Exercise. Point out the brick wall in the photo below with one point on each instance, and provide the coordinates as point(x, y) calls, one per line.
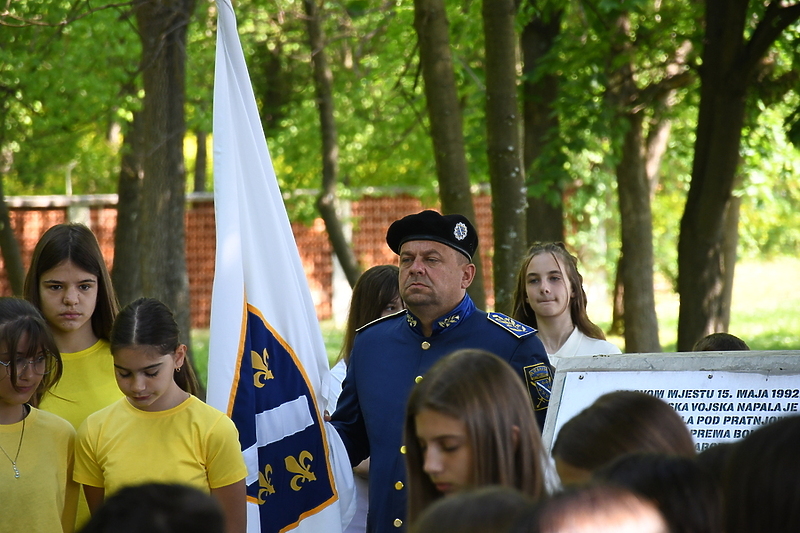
point(371, 217)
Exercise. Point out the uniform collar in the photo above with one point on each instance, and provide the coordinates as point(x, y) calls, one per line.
point(446, 321)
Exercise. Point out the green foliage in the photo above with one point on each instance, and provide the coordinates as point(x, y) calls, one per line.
point(63, 97)
point(200, 51)
point(770, 191)
point(582, 157)
point(69, 77)
point(770, 165)
point(200, 339)
point(378, 101)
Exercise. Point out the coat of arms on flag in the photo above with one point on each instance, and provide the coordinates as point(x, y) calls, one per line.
point(286, 438)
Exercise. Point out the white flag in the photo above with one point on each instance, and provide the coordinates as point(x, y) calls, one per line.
point(267, 359)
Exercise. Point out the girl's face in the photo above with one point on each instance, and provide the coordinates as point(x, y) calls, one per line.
point(547, 289)
point(68, 296)
point(446, 450)
point(392, 307)
point(28, 379)
point(145, 376)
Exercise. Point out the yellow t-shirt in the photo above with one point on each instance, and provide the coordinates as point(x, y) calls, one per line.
point(192, 443)
point(43, 498)
point(87, 384)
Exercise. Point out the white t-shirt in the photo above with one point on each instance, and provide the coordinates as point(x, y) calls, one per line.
point(579, 344)
point(359, 522)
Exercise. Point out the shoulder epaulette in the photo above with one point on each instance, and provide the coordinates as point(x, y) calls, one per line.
point(368, 324)
point(518, 329)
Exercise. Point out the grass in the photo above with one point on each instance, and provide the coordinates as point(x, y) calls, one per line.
point(200, 354)
point(765, 312)
point(766, 304)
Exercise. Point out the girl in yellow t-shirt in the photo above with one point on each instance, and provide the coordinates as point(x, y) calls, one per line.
point(69, 282)
point(36, 485)
point(160, 432)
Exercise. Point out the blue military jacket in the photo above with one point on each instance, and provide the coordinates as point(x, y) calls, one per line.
point(388, 357)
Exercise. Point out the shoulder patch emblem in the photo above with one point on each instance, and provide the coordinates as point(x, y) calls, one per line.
point(540, 383)
point(368, 324)
point(518, 329)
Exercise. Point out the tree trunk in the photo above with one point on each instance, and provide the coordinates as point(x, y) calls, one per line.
point(655, 148)
point(545, 216)
point(326, 201)
point(641, 324)
point(201, 161)
point(504, 147)
point(636, 223)
point(618, 301)
point(12, 258)
point(162, 29)
point(730, 241)
point(716, 156)
point(728, 65)
point(126, 274)
point(430, 22)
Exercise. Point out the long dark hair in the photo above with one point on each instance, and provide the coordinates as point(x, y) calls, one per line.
point(373, 291)
point(148, 322)
point(759, 483)
point(76, 243)
point(20, 319)
point(522, 310)
point(689, 499)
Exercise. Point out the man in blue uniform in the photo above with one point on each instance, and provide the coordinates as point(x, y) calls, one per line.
point(391, 354)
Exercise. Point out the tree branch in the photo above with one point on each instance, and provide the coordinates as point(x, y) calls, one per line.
point(654, 91)
point(775, 20)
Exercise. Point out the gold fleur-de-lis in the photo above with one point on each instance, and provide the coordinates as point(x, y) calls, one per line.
point(302, 468)
point(265, 482)
point(261, 368)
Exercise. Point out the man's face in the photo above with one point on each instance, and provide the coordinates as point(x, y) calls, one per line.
point(433, 277)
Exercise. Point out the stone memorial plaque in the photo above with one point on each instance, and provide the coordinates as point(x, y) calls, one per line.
point(722, 396)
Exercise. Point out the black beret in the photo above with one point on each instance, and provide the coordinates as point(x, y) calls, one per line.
point(455, 231)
